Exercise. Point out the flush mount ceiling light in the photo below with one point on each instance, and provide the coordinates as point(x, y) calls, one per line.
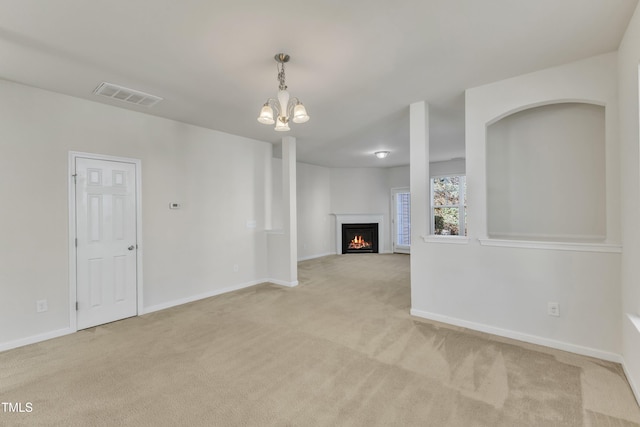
point(381, 154)
point(285, 107)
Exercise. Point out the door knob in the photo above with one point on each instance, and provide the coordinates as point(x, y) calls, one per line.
point(131, 247)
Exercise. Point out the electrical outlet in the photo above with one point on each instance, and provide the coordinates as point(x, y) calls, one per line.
point(553, 309)
point(236, 268)
point(41, 306)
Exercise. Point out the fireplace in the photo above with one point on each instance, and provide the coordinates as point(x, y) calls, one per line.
point(351, 219)
point(359, 238)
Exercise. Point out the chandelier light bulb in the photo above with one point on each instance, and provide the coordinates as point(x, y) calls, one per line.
point(300, 113)
point(266, 115)
point(282, 125)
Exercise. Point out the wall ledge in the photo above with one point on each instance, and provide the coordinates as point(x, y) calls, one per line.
point(556, 246)
point(457, 240)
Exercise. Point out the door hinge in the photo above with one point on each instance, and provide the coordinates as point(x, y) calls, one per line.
point(76, 305)
point(75, 175)
point(76, 242)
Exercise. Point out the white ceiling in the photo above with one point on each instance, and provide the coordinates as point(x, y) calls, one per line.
point(356, 64)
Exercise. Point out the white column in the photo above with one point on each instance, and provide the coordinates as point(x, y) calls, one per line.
point(419, 170)
point(289, 200)
point(420, 195)
point(268, 190)
point(282, 246)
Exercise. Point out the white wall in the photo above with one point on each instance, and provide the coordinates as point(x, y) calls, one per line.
point(546, 174)
point(314, 207)
point(359, 190)
point(449, 167)
point(218, 178)
point(398, 177)
point(505, 290)
point(628, 60)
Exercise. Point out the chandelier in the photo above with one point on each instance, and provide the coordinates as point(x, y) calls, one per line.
point(286, 108)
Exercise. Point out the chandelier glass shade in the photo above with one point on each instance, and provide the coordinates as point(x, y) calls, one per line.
point(285, 107)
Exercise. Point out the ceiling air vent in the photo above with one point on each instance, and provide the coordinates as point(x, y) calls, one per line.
point(127, 95)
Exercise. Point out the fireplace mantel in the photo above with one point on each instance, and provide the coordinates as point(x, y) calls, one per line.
point(356, 219)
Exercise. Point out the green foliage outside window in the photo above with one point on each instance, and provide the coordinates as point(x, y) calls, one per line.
point(446, 205)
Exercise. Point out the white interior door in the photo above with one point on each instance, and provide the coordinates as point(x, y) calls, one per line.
point(401, 220)
point(106, 288)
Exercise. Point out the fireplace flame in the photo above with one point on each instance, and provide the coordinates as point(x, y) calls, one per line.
point(359, 243)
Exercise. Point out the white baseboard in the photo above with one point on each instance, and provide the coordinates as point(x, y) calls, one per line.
point(632, 384)
point(631, 379)
point(533, 339)
point(215, 292)
point(282, 282)
point(193, 298)
point(333, 253)
point(380, 252)
point(66, 331)
point(35, 339)
point(306, 258)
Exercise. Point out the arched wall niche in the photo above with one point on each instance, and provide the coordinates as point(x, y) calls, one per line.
point(542, 104)
point(546, 173)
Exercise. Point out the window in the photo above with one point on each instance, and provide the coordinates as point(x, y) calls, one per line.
point(449, 205)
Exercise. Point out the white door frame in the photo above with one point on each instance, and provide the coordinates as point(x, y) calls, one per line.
point(393, 216)
point(73, 285)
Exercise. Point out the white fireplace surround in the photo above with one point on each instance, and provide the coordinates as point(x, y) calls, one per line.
point(359, 219)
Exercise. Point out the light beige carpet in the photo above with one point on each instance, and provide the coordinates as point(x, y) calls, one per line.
point(338, 350)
